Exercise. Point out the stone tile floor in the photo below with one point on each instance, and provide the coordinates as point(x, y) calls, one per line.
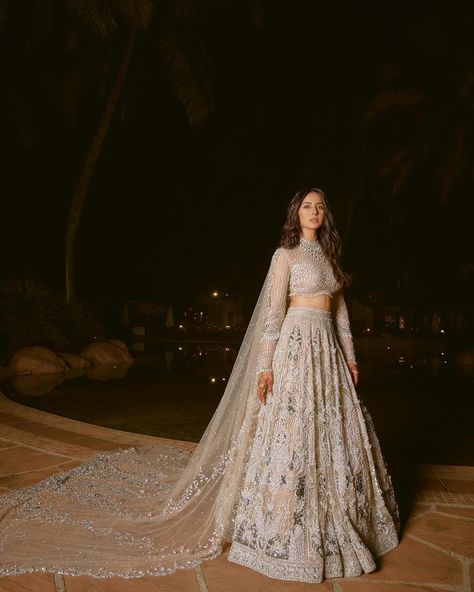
point(436, 551)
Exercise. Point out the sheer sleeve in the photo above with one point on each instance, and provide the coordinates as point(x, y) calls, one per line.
point(275, 309)
point(342, 324)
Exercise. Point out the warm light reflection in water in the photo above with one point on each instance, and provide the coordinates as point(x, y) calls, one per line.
point(174, 390)
point(210, 362)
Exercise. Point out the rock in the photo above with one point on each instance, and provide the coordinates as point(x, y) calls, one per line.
point(37, 360)
point(5, 372)
point(110, 351)
point(35, 385)
point(106, 372)
point(76, 372)
point(75, 361)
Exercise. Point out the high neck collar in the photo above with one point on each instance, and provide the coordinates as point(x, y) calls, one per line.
point(312, 246)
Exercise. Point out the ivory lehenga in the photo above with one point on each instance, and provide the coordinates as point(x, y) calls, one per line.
point(298, 486)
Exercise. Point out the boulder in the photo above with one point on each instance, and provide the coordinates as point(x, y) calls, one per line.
point(37, 360)
point(109, 351)
point(35, 385)
point(74, 361)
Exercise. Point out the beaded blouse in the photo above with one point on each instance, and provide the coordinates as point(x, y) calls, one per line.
point(303, 270)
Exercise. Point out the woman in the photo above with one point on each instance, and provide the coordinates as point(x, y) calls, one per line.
point(289, 469)
point(317, 500)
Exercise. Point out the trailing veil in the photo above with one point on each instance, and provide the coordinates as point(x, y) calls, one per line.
point(143, 510)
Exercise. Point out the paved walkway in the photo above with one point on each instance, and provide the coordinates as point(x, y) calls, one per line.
point(436, 551)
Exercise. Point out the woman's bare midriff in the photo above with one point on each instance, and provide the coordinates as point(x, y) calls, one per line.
point(322, 301)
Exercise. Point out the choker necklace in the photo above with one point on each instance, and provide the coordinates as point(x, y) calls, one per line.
point(310, 246)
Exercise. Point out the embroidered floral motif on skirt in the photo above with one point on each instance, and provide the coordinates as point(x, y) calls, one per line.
point(317, 500)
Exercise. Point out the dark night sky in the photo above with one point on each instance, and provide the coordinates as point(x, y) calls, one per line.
point(174, 210)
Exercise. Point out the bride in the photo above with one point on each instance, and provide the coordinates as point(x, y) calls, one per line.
point(289, 470)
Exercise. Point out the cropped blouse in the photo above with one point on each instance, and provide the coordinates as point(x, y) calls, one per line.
point(303, 270)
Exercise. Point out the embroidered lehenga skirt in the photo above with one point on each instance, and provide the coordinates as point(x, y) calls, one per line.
point(317, 500)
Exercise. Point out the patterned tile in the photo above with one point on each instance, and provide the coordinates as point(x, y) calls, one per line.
point(443, 497)
point(28, 583)
point(416, 565)
point(378, 587)
point(24, 479)
point(416, 562)
point(447, 472)
point(23, 458)
point(458, 485)
point(455, 535)
point(23, 437)
point(417, 509)
point(184, 580)
point(456, 510)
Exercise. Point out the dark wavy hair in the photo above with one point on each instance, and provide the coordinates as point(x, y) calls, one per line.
point(328, 235)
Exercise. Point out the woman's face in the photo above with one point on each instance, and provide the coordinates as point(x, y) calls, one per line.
point(311, 212)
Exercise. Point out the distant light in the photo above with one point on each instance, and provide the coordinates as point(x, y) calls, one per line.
point(223, 379)
point(368, 329)
point(227, 326)
point(401, 359)
point(227, 349)
point(180, 347)
point(411, 365)
point(180, 326)
point(215, 294)
point(442, 331)
point(388, 347)
point(442, 353)
point(213, 379)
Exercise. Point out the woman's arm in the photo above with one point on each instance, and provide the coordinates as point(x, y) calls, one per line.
point(275, 309)
point(343, 329)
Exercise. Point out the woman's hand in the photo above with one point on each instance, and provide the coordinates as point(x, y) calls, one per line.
point(354, 372)
point(264, 385)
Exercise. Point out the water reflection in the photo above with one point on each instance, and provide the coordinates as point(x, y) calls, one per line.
point(35, 385)
point(213, 364)
point(172, 391)
point(106, 372)
point(209, 362)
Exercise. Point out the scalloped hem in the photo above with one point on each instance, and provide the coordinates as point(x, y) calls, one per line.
point(103, 574)
point(282, 570)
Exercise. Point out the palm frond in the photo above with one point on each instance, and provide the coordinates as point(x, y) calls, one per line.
point(96, 14)
point(391, 100)
point(397, 168)
point(137, 13)
point(105, 16)
point(189, 66)
point(453, 163)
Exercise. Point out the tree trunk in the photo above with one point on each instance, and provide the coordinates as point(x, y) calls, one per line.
point(82, 187)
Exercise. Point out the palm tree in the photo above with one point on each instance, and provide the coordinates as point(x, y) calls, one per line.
point(404, 129)
point(95, 33)
point(422, 127)
point(183, 48)
point(191, 85)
